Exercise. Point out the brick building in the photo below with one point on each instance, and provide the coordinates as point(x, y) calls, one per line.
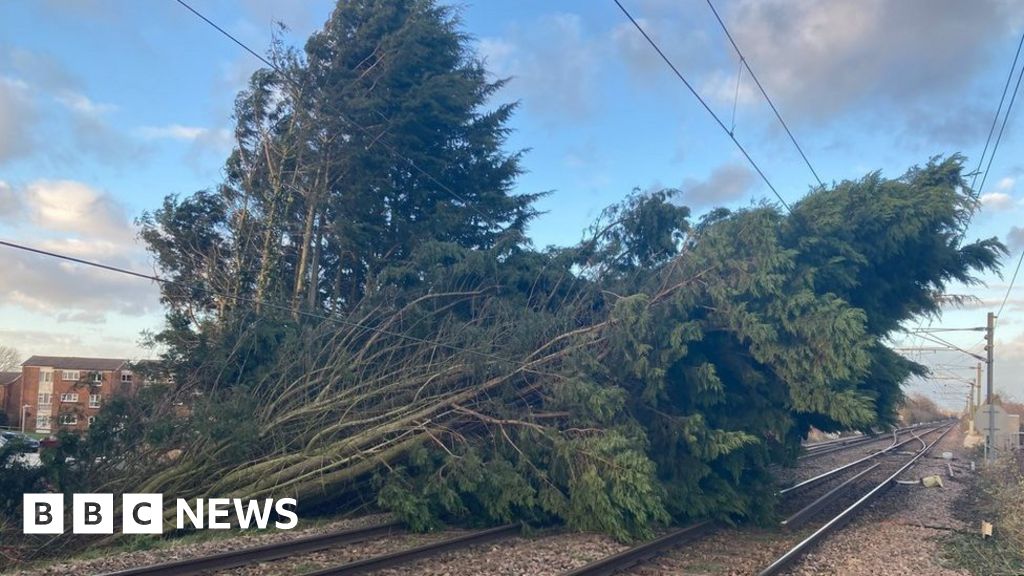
point(65, 393)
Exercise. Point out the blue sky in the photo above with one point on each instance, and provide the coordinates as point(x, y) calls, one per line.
point(106, 106)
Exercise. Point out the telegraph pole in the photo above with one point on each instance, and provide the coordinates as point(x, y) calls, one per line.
point(989, 345)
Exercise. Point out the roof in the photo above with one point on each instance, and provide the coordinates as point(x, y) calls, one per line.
point(8, 377)
point(76, 363)
point(148, 365)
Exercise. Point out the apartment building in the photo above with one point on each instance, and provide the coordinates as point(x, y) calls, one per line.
point(65, 393)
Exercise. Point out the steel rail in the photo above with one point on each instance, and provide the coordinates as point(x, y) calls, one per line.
point(828, 474)
point(846, 514)
point(637, 554)
point(814, 450)
point(838, 447)
point(819, 450)
point(252, 555)
point(809, 446)
point(417, 553)
point(799, 517)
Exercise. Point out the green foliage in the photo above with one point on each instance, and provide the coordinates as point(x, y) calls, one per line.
point(611, 385)
point(360, 335)
point(378, 137)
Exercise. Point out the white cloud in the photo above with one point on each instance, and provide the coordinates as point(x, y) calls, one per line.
point(1015, 238)
point(42, 284)
point(725, 185)
point(496, 52)
point(51, 342)
point(824, 60)
point(824, 57)
point(75, 208)
point(78, 126)
point(174, 132)
point(81, 104)
point(996, 200)
point(671, 25)
point(80, 221)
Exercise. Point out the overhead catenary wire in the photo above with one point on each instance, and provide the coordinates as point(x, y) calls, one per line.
point(995, 147)
point(746, 64)
point(1002, 127)
point(247, 300)
point(995, 119)
point(976, 192)
point(703, 103)
point(952, 347)
point(1012, 282)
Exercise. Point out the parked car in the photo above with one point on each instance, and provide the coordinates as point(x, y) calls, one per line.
point(22, 442)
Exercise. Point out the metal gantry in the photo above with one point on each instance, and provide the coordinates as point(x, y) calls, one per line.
point(942, 345)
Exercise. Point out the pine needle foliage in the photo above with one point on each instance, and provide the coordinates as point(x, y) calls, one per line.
point(652, 373)
point(614, 385)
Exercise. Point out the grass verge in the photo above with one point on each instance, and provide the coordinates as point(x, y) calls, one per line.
point(997, 496)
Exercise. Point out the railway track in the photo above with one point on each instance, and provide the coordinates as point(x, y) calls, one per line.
point(300, 546)
point(865, 487)
point(255, 554)
point(847, 487)
point(842, 491)
point(840, 444)
point(639, 554)
point(820, 483)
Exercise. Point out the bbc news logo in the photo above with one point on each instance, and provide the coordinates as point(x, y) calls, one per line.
point(144, 513)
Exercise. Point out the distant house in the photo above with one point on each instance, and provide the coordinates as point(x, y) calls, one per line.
point(65, 393)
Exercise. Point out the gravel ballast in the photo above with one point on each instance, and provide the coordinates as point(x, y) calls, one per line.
point(898, 534)
point(186, 548)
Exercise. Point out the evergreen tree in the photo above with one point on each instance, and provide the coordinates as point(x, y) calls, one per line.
point(378, 137)
point(654, 371)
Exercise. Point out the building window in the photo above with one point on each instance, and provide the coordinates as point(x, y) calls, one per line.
point(45, 376)
point(126, 377)
point(42, 422)
point(91, 419)
point(69, 375)
point(97, 377)
point(45, 398)
point(69, 397)
point(94, 400)
point(68, 419)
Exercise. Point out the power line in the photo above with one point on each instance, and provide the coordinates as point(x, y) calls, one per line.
point(743, 61)
point(999, 137)
point(1012, 281)
point(995, 119)
point(254, 301)
point(375, 139)
point(948, 344)
point(701, 100)
point(1002, 126)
